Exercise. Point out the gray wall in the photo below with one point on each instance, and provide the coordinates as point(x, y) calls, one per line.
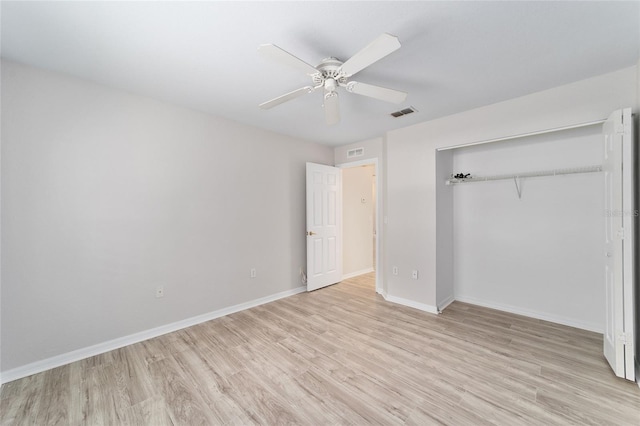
point(445, 257)
point(107, 195)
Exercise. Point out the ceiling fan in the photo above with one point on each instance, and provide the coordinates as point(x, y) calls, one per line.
point(331, 73)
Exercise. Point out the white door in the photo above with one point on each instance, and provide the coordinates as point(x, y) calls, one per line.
point(324, 226)
point(619, 231)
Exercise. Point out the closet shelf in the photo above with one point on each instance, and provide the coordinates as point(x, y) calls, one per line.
point(554, 172)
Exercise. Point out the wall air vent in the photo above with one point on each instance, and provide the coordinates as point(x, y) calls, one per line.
point(402, 112)
point(355, 152)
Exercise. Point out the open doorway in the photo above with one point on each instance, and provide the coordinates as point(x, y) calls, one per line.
point(360, 227)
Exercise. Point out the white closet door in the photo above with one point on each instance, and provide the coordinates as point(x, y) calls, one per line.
point(619, 232)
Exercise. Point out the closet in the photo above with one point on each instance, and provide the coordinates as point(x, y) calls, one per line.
point(531, 217)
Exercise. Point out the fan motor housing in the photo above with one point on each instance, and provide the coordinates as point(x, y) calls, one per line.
point(329, 68)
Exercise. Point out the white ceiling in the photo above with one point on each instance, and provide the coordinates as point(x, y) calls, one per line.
point(454, 56)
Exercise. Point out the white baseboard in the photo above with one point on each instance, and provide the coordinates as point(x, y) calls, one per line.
point(357, 273)
point(449, 300)
point(410, 303)
point(532, 314)
point(77, 355)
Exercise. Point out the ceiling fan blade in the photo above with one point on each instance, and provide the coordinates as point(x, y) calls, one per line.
point(331, 110)
point(377, 92)
point(373, 52)
point(286, 97)
point(272, 51)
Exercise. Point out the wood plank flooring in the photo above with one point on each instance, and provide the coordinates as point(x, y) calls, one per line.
point(340, 355)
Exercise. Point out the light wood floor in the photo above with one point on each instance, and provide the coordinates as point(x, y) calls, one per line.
point(340, 355)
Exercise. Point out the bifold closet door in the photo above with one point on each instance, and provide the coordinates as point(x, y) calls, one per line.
point(620, 216)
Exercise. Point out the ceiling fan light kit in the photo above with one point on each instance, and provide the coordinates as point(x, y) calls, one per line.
point(331, 73)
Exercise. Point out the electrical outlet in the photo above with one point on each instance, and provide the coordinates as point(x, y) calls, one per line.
point(253, 273)
point(414, 274)
point(395, 270)
point(159, 292)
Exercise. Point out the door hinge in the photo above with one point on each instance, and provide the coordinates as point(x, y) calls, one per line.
point(621, 233)
point(624, 338)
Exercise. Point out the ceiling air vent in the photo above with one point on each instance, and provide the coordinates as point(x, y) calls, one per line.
point(403, 112)
point(355, 152)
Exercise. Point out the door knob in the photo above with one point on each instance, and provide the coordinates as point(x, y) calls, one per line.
point(311, 233)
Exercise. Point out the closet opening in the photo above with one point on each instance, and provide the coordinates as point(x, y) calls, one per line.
point(527, 225)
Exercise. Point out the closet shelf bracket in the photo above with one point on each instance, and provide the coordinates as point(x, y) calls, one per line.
point(516, 180)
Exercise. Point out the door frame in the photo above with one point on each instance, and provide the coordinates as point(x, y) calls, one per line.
point(379, 218)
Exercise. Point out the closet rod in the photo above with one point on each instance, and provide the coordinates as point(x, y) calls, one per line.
point(554, 172)
point(524, 135)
